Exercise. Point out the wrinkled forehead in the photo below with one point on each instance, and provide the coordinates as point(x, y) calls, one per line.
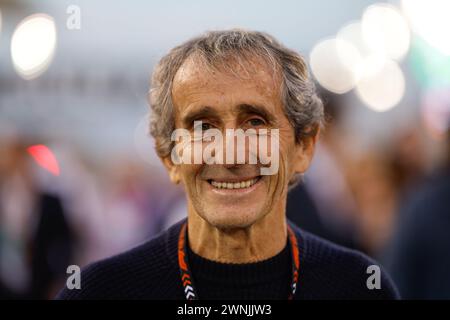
point(197, 74)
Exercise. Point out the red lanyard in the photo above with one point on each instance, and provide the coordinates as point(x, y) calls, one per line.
point(188, 281)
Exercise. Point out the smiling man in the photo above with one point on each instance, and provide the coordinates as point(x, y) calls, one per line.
point(236, 242)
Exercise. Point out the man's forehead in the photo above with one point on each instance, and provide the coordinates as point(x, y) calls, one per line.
point(195, 75)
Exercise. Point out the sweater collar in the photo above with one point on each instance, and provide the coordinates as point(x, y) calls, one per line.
point(272, 269)
point(172, 246)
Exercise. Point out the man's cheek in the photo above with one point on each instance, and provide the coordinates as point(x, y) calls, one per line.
point(189, 174)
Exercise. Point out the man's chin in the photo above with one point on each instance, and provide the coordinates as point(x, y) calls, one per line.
point(236, 219)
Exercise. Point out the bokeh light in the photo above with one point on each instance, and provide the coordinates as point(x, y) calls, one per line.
point(429, 19)
point(33, 45)
point(352, 33)
point(386, 31)
point(430, 66)
point(334, 63)
point(45, 158)
point(382, 83)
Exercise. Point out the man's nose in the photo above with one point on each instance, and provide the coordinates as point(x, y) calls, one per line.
point(235, 146)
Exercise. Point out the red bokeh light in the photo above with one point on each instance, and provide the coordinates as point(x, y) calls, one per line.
point(45, 158)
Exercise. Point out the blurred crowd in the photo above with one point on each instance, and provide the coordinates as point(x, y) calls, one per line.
point(87, 211)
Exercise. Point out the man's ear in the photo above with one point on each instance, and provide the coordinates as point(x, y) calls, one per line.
point(172, 169)
point(304, 151)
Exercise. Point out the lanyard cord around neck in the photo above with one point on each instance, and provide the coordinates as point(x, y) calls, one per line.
point(186, 275)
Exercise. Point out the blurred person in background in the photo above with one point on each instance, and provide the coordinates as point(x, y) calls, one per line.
point(134, 205)
point(419, 254)
point(36, 241)
point(323, 203)
point(371, 182)
point(378, 179)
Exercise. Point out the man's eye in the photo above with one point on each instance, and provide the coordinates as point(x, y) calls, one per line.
point(205, 126)
point(255, 122)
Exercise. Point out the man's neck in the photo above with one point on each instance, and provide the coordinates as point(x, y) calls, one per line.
point(264, 239)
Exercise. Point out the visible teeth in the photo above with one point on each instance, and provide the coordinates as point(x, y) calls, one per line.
point(235, 185)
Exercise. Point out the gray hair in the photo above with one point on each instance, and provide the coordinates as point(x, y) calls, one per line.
point(302, 106)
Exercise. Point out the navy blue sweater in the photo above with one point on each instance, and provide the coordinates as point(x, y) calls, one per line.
point(150, 271)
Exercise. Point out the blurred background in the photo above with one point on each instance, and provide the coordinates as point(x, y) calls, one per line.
point(80, 181)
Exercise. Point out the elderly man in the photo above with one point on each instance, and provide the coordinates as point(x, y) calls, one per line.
point(236, 242)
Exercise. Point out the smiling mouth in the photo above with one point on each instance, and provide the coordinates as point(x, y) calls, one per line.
point(234, 185)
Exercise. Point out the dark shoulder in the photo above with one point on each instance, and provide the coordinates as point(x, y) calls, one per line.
point(144, 272)
point(330, 271)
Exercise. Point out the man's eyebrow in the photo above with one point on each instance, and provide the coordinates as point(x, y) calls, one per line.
point(256, 109)
point(197, 114)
